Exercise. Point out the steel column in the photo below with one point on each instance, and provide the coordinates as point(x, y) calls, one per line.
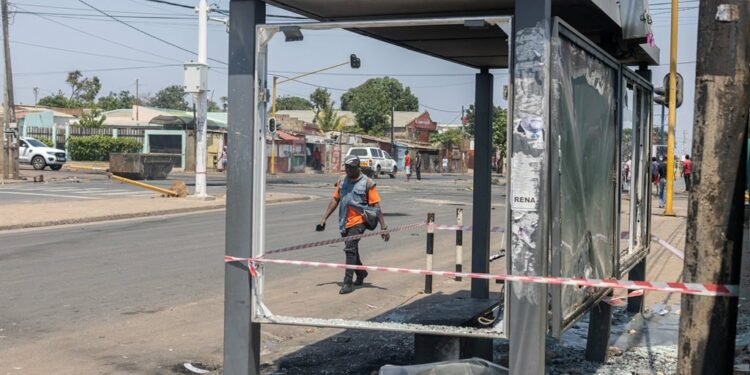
point(528, 216)
point(241, 336)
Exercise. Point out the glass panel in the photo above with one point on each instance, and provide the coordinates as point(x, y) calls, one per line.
point(586, 96)
point(626, 158)
point(359, 152)
point(644, 186)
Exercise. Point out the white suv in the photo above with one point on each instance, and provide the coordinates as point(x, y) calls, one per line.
point(374, 161)
point(34, 152)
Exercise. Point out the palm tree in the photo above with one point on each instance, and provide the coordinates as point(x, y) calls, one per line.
point(329, 120)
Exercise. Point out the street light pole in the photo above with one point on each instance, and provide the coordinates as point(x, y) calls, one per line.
point(668, 210)
point(201, 99)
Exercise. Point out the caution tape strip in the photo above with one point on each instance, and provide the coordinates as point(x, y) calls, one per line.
point(344, 239)
point(619, 301)
point(464, 227)
point(684, 288)
point(669, 247)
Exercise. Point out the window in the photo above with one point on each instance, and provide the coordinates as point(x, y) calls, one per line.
point(376, 153)
point(36, 143)
point(358, 152)
point(22, 144)
point(387, 155)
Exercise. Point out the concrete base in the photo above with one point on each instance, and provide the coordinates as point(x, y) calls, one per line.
point(201, 198)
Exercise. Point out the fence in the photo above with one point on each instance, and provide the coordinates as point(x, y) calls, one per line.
point(61, 133)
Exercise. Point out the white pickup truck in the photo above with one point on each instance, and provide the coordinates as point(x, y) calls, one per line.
point(33, 151)
point(374, 161)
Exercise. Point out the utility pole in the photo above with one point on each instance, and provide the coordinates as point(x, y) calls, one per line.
point(668, 210)
point(713, 243)
point(36, 95)
point(11, 143)
point(201, 100)
point(137, 101)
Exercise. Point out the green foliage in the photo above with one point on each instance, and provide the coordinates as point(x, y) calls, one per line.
point(373, 100)
point(121, 100)
point(59, 100)
point(499, 127)
point(46, 141)
point(448, 139)
point(83, 89)
point(91, 119)
point(170, 97)
point(320, 99)
point(330, 120)
point(98, 147)
point(224, 103)
point(292, 103)
point(213, 107)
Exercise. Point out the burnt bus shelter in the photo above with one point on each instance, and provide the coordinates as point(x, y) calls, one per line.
point(577, 114)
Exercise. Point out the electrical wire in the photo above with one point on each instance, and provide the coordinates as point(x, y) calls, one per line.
point(101, 69)
point(147, 33)
point(102, 38)
point(438, 109)
point(83, 52)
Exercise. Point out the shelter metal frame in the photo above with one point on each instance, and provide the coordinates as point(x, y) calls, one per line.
point(260, 313)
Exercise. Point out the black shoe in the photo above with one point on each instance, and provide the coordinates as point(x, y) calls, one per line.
point(360, 278)
point(346, 288)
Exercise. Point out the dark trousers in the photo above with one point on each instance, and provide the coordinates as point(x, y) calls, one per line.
point(687, 182)
point(351, 248)
point(419, 173)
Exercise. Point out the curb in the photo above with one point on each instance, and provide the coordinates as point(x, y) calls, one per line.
point(96, 219)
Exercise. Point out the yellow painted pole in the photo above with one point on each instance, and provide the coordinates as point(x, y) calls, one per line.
point(75, 166)
point(668, 210)
point(145, 186)
point(273, 135)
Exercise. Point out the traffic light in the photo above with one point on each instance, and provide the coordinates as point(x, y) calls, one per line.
point(272, 125)
point(354, 61)
point(661, 94)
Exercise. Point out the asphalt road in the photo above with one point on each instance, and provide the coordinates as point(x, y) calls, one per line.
point(66, 278)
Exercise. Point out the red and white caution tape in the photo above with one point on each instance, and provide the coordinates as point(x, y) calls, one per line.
point(619, 301)
point(463, 227)
point(684, 288)
point(344, 239)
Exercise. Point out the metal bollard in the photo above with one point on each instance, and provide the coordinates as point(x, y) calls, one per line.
point(459, 241)
point(430, 244)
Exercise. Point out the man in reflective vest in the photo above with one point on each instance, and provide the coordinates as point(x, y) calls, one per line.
point(353, 192)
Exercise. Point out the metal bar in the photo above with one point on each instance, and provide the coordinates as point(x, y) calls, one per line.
point(459, 241)
point(482, 333)
point(499, 21)
point(600, 325)
point(482, 202)
point(430, 248)
point(241, 335)
point(529, 189)
point(143, 185)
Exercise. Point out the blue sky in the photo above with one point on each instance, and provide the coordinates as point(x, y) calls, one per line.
point(122, 55)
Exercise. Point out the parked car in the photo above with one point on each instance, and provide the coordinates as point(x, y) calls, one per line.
point(34, 152)
point(374, 161)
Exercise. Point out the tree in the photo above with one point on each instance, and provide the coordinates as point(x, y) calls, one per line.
point(58, 100)
point(499, 127)
point(82, 88)
point(213, 107)
point(91, 119)
point(373, 100)
point(320, 99)
point(170, 97)
point(224, 102)
point(121, 100)
point(448, 139)
point(330, 120)
point(292, 103)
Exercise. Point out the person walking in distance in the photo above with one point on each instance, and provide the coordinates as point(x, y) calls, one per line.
point(418, 166)
point(354, 193)
point(445, 164)
point(407, 166)
point(687, 167)
point(655, 174)
point(662, 170)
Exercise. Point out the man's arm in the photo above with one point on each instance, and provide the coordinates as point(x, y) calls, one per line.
point(329, 210)
point(386, 236)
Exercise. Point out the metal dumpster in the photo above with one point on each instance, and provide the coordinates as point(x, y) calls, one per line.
point(141, 166)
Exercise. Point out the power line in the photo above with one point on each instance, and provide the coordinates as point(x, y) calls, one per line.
point(102, 38)
point(145, 32)
point(171, 3)
point(78, 15)
point(438, 109)
point(83, 52)
point(88, 10)
point(102, 69)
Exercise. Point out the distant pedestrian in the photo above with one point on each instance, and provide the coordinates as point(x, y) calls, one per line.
point(445, 165)
point(316, 159)
point(435, 164)
point(354, 194)
point(662, 182)
point(407, 166)
point(687, 168)
point(418, 166)
point(655, 173)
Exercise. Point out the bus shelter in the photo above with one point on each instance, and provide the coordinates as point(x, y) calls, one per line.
point(577, 115)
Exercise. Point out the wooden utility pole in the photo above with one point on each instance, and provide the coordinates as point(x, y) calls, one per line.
point(11, 148)
point(713, 242)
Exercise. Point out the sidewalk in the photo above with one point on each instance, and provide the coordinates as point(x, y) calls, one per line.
point(75, 212)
